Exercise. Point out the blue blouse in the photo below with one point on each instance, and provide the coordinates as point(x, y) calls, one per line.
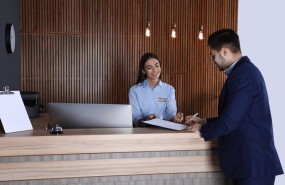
point(145, 101)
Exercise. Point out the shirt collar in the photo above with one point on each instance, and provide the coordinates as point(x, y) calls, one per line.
point(160, 83)
point(229, 70)
point(145, 83)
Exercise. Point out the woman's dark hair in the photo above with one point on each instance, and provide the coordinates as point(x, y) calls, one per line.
point(224, 38)
point(144, 58)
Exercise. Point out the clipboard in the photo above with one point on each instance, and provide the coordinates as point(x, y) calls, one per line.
point(13, 114)
point(166, 124)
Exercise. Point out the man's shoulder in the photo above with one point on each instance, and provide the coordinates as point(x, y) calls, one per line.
point(246, 67)
point(245, 73)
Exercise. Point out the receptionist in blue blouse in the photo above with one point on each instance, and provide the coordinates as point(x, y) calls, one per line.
point(149, 96)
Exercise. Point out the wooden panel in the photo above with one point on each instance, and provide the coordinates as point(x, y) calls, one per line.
point(211, 178)
point(101, 141)
point(107, 167)
point(88, 51)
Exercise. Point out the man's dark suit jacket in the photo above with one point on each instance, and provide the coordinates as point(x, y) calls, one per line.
point(244, 126)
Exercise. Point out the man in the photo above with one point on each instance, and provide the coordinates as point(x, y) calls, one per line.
point(243, 127)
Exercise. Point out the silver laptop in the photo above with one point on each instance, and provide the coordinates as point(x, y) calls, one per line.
point(76, 115)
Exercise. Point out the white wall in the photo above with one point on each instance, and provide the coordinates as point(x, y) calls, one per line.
point(261, 27)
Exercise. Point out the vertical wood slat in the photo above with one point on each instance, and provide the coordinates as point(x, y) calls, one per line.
point(88, 51)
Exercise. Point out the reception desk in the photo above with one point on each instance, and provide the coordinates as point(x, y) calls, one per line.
point(108, 156)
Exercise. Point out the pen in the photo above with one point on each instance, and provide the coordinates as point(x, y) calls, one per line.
point(195, 115)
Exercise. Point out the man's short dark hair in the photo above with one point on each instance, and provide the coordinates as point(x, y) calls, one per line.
point(224, 38)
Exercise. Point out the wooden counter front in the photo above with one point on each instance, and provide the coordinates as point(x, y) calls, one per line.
point(74, 143)
point(100, 140)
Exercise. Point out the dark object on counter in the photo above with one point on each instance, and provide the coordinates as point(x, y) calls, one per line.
point(32, 103)
point(56, 130)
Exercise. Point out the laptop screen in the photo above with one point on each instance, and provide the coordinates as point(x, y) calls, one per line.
point(76, 115)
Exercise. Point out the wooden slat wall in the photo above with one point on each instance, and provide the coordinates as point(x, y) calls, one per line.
point(88, 51)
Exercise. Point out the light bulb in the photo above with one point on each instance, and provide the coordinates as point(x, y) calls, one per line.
point(147, 32)
point(173, 31)
point(201, 33)
point(147, 29)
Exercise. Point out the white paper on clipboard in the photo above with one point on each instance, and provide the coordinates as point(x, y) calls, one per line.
point(166, 124)
point(13, 113)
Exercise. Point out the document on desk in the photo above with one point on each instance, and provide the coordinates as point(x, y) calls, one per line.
point(166, 124)
point(13, 114)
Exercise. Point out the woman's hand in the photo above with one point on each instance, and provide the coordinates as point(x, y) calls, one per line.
point(151, 116)
point(178, 118)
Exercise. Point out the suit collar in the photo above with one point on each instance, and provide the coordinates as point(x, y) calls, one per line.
point(242, 60)
point(228, 71)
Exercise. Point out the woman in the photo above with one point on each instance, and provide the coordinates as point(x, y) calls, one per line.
point(149, 96)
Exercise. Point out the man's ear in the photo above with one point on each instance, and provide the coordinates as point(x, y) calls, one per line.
point(225, 52)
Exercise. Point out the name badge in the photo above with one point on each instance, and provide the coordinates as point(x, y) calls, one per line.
point(162, 99)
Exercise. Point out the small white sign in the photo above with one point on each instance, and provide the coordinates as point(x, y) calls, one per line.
point(13, 113)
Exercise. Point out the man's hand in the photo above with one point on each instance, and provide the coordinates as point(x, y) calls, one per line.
point(191, 120)
point(194, 128)
point(194, 124)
